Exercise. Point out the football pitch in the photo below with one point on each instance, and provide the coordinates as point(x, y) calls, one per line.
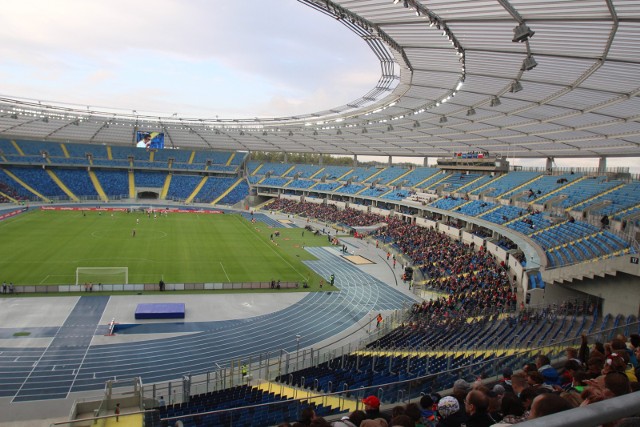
point(46, 247)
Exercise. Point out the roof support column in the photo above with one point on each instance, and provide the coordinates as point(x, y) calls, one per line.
point(549, 165)
point(425, 162)
point(286, 157)
point(355, 160)
point(390, 160)
point(602, 164)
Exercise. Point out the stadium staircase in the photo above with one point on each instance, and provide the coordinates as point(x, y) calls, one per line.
point(191, 157)
point(65, 151)
point(165, 187)
point(597, 196)
point(6, 196)
point(62, 186)
point(98, 186)
point(227, 191)
point(132, 185)
point(551, 201)
point(311, 397)
point(17, 147)
point(317, 173)
point(25, 185)
point(348, 172)
point(513, 191)
point(228, 163)
point(196, 190)
point(399, 179)
point(109, 153)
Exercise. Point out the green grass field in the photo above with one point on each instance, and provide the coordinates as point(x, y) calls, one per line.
point(46, 247)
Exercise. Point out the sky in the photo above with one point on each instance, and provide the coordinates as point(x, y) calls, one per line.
point(196, 58)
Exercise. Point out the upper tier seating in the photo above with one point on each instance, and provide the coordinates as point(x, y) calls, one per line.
point(77, 180)
point(505, 183)
point(39, 180)
point(115, 183)
point(182, 186)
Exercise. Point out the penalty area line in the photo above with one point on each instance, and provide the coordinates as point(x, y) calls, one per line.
point(225, 272)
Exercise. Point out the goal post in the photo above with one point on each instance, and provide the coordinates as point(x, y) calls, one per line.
point(104, 275)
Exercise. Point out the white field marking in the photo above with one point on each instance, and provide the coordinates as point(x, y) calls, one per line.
point(35, 364)
point(225, 272)
point(274, 251)
point(44, 280)
point(98, 236)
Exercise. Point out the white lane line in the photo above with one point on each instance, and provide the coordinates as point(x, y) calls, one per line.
point(225, 272)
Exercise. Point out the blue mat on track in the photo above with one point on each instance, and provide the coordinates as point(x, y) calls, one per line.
point(170, 310)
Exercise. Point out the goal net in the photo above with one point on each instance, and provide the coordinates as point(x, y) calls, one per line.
point(104, 275)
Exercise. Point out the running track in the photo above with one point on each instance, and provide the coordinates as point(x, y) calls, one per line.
point(71, 364)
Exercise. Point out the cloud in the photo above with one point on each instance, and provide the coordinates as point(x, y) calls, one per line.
point(236, 58)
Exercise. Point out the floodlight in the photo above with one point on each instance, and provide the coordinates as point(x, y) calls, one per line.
point(495, 101)
point(471, 112)
point(529, 63)
point(443, 119)
point(522, 33)
point(364, 130)
point(290, 133)
point(516, 87)
point(389, 128)
point(339, 132)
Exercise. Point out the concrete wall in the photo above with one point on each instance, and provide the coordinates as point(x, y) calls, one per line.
point(621, 293)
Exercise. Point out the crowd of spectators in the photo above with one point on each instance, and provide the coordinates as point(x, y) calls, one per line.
point(326, 213)
point(472, 280)
point(589, 375)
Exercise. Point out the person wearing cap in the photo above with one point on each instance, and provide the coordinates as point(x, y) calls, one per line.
point(372, 408)
point(450, 413)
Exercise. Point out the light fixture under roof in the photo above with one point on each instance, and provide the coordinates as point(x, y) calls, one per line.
point(522, 33)
point(443, 119)
point(416, 124)
point(264, 133)
point(516, 87)
point(471, 112)
point(529, 63)
point(315, 133)
point(495, 101)
point(290, 133)
point(390, 128)
point(339, 132)
point(364, 130)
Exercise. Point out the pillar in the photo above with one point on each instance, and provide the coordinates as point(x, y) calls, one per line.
point(390, 162)
point(549, 165)
point(602, 165)
point(425, 162)
point(355, 160)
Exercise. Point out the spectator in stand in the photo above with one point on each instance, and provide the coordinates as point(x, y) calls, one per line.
point(506, 380)
point(519, 383)
point(450, 413)
point(547, 404)
point(550, 374)
point(372, 408)
point(477, 404)
point(512, 409)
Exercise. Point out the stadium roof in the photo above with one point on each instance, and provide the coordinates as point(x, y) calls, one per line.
point(521, 78)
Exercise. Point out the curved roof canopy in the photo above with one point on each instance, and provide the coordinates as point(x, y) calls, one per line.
point(523, 78)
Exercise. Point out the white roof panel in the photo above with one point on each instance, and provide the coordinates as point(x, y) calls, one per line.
point(580, 98)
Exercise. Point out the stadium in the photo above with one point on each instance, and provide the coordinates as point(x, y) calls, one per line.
point(161, 269)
